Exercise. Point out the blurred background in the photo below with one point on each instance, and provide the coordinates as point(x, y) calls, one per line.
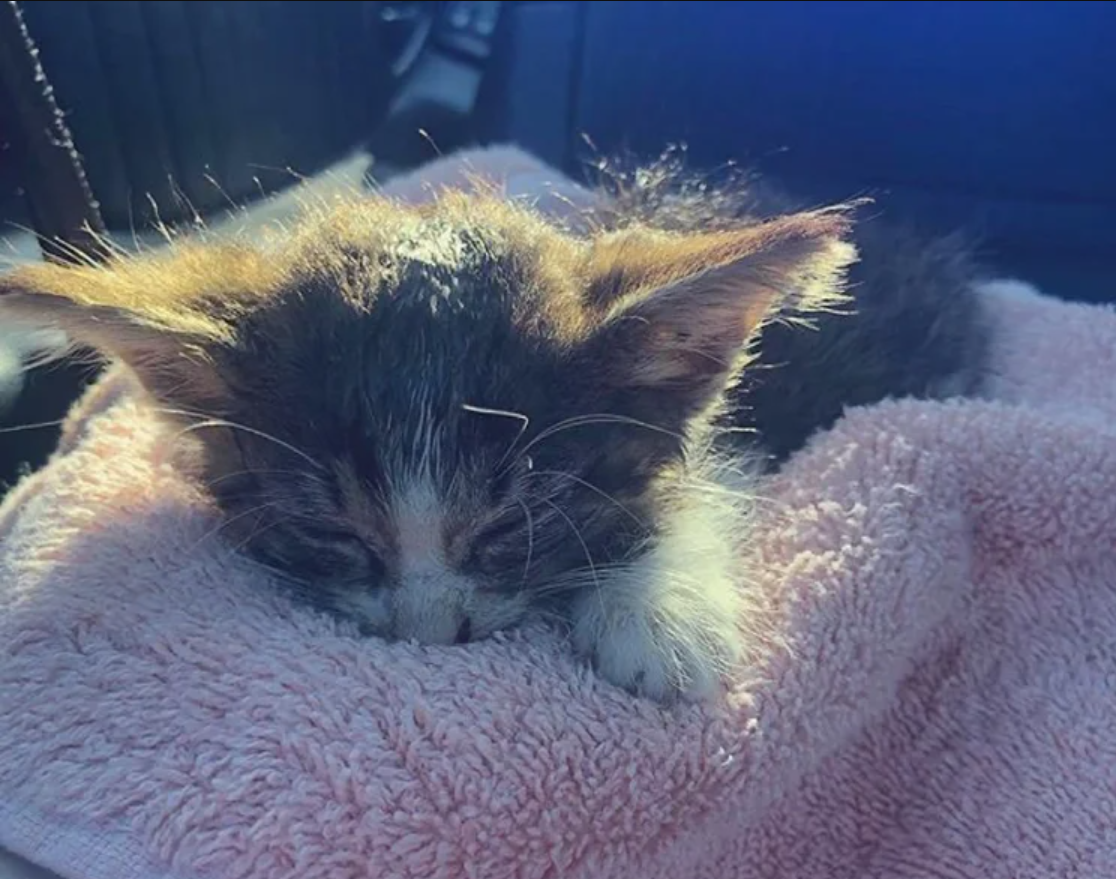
point(995, 117)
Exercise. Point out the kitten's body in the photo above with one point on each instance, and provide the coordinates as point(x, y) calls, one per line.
point(440, 420)
point(912, 326)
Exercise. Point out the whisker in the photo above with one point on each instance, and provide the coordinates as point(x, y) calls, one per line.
point(549, 616)
point(261, 530)
point(525, 422)
point(300, 587)
point(184, 413)
point(580, 539)
point(571, 581)
point(41, 425)
point(593, 488)
point(232, 425)
point(530, 536)
point(589, 420)
point(269, 471)
point(226, 521)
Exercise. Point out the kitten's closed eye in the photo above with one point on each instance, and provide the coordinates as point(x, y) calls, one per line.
point(501, 485)
point(491, 543)
point(323, 553)
point(336, 537)
point(367, 564)
point(495, 554)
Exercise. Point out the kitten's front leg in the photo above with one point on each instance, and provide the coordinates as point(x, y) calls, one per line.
point(659, 633)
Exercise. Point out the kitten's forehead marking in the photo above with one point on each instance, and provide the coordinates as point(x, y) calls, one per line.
point(419, 520)
point(431, 600)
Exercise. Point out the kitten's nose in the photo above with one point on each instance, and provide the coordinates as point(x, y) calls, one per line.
point(464, 631)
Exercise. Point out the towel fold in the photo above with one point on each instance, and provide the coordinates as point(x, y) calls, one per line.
point(932, 695)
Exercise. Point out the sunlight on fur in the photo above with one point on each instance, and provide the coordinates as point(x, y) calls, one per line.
point(441, 419)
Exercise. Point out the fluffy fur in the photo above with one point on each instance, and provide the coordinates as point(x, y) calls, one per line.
point(930, 692)
point(911, 326)
point(440, 419)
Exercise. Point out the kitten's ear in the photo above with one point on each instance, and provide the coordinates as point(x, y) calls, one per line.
point(150, 320)
point(680, 310)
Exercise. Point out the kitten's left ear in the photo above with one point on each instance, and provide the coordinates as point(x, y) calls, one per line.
point(680, 310)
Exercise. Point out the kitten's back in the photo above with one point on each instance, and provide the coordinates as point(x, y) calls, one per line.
point(913, 326)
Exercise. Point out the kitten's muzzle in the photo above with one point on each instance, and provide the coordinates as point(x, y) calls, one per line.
point(432, 607)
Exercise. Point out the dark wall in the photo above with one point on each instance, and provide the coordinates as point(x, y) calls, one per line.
point(193, 102)
point(1000, 116)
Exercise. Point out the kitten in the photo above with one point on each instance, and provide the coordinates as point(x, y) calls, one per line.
point(440, 420)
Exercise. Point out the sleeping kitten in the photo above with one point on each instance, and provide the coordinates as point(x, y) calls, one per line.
point(440, 420)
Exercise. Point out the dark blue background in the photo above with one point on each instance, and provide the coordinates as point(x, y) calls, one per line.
point(1000, 116)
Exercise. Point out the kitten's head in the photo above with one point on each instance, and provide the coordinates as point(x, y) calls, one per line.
point(438, 419)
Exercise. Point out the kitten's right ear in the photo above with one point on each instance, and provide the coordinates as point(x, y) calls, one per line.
point(153, 319)
point(86, 304)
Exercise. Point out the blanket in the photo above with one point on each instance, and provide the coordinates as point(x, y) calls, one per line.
point(932, 691)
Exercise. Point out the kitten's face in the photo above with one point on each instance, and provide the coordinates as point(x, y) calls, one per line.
point(460, 452)
point(439, 420)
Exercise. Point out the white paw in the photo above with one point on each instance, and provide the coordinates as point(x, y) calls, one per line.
point(658, 657)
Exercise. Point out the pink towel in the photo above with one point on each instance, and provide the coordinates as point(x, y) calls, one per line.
point(932, 694)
